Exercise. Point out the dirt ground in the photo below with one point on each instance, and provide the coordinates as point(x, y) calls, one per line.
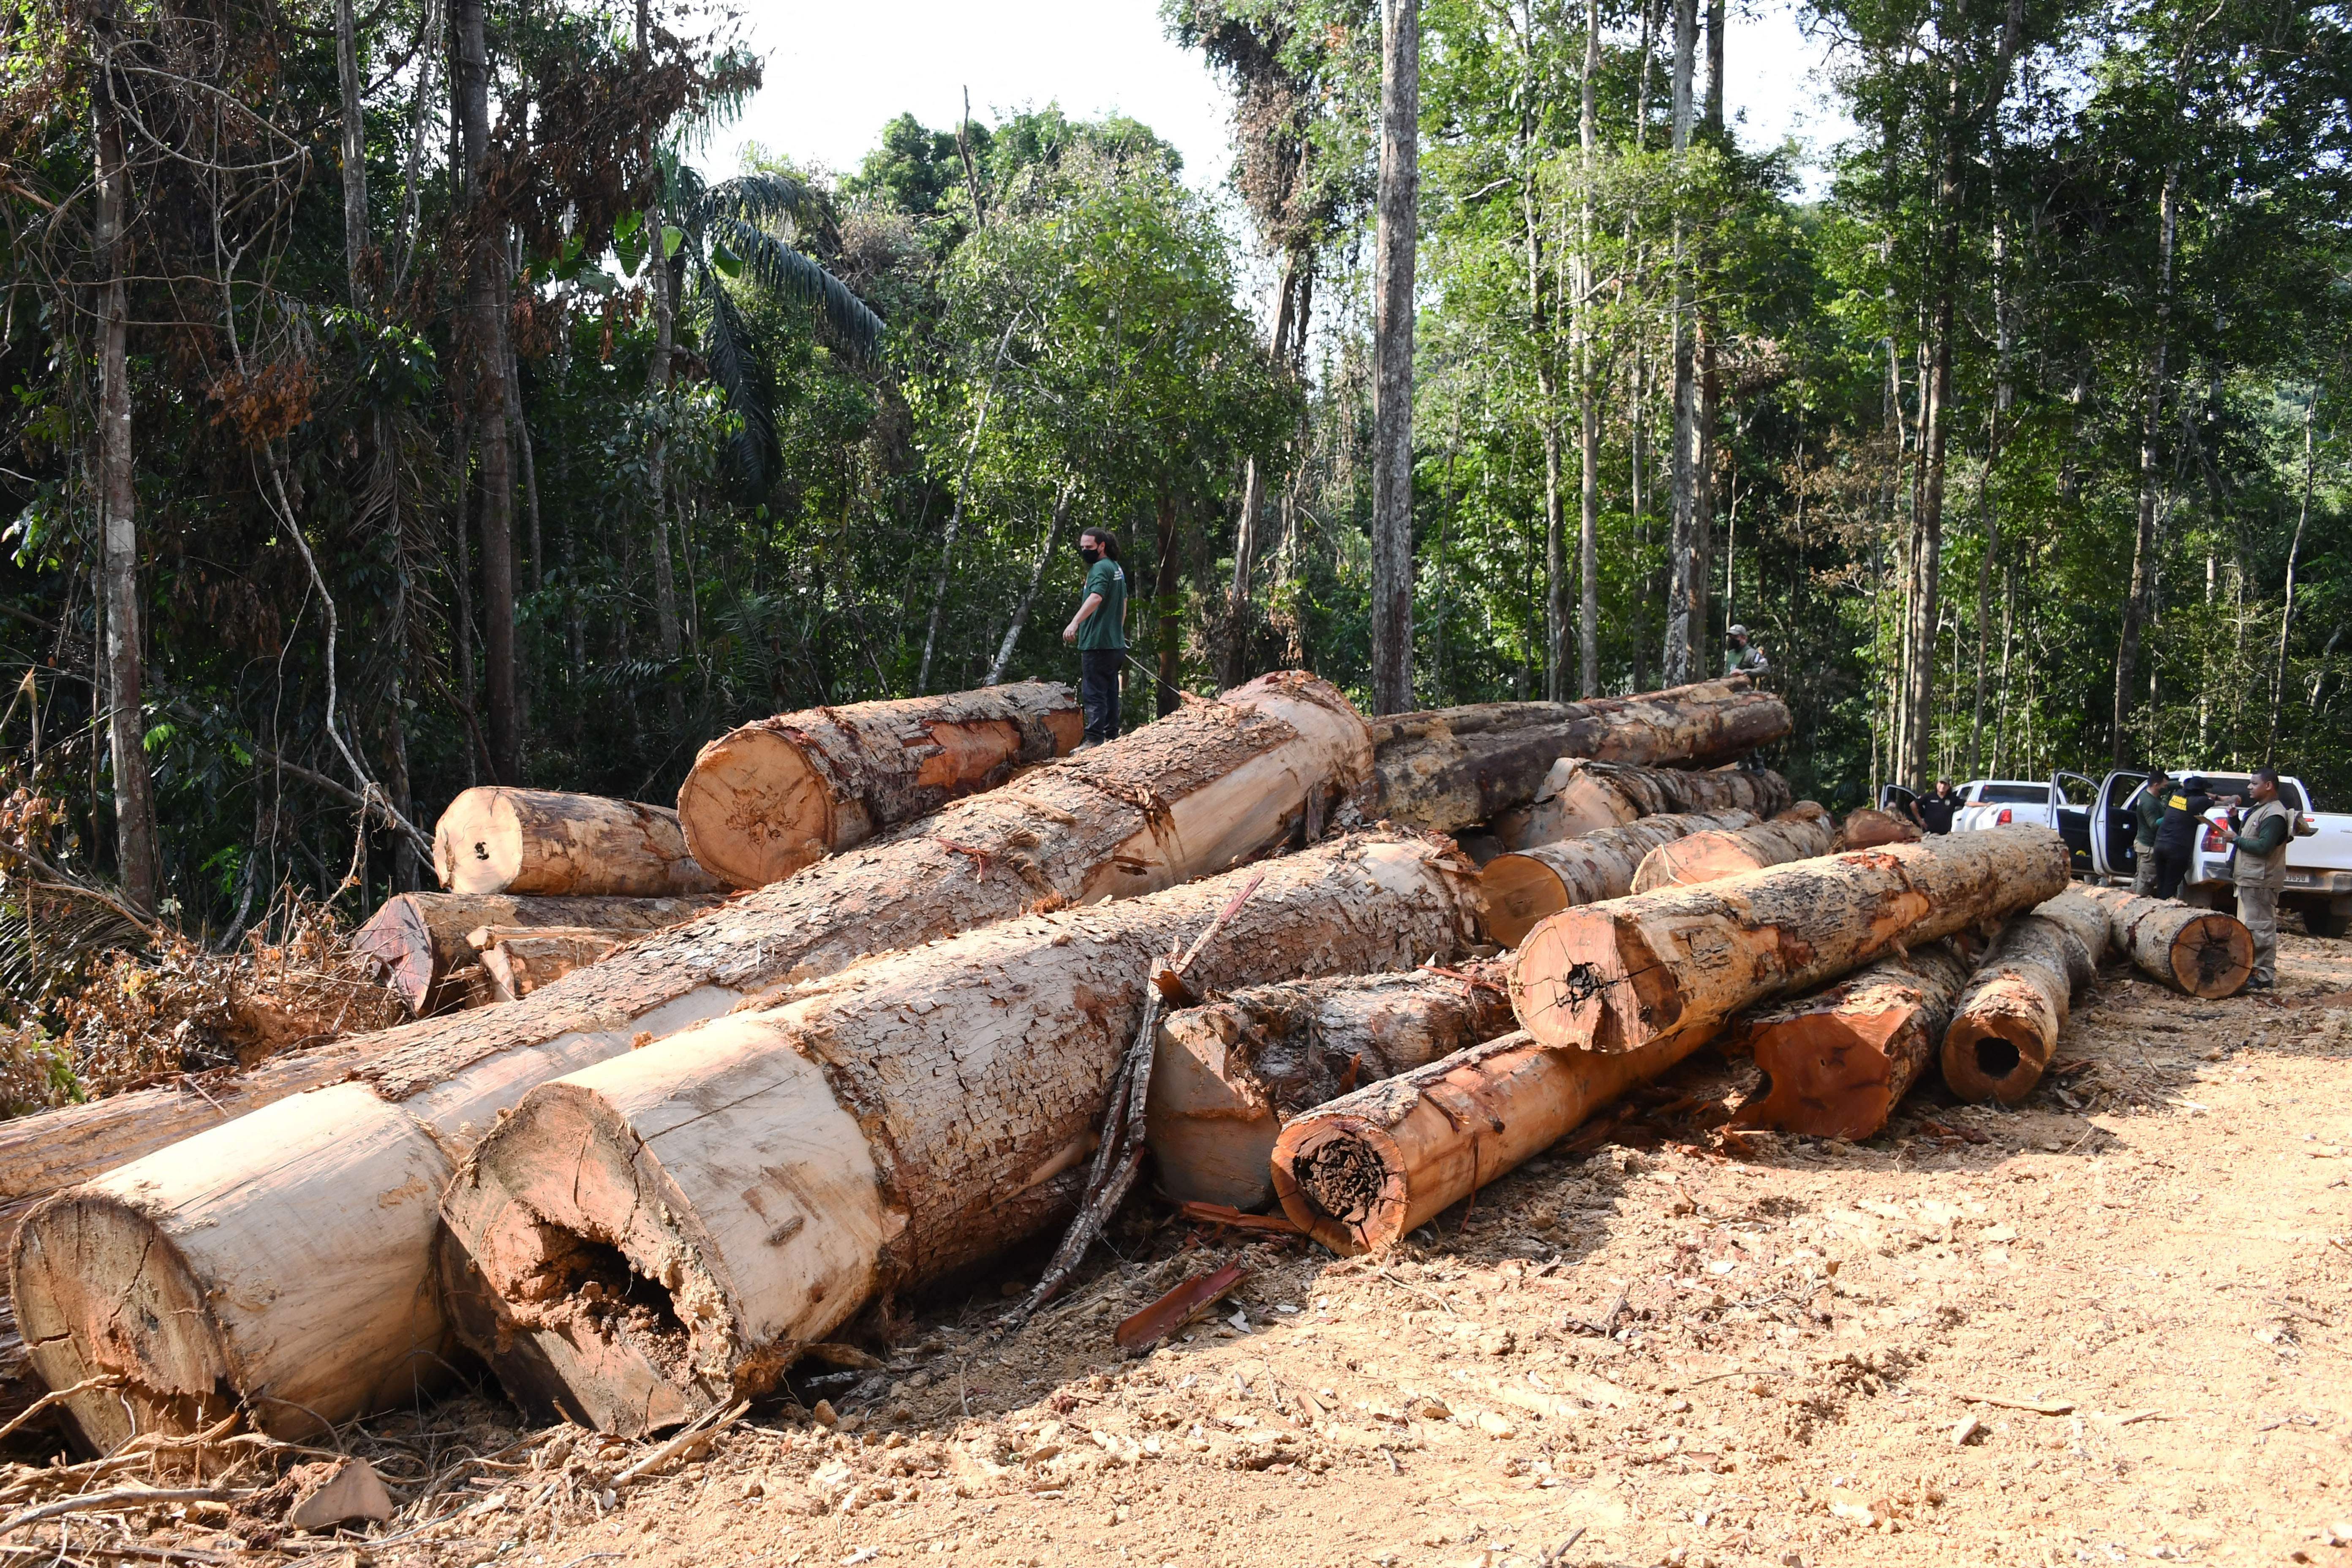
point(2112, 1324)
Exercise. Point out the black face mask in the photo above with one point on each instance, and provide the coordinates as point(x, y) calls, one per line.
point(1088, 555)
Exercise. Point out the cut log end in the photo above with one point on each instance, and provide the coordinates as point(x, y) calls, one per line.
point(1520, 892)
point(753, 809)
point(2212, 956)
point(1584, 978)
point(1345, 1184)
point(1833, 1076)
point(1990, 1054)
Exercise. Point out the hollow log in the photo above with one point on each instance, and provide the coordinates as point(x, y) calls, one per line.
point(1524, 889)
point(497, 840)
point(1804, 832)
point(1616, 977)
point(1451, 767)
point(420, 938)
point(1868, 828)
point(1366, 1170)
point(519, 960)
point(662, 1233)
point(2006, 1023)
point(1580, 795)
point(306, 1236)
point(1837, 1063)
point(765, 799)
point(1227, 1074)
point(2198, 953)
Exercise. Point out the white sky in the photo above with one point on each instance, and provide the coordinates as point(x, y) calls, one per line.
point(836, 73)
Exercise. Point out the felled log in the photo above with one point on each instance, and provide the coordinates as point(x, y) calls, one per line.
point(1525, 888)
point(2198, 952)
point(296, 1247)
point(1580, 795)
point(1837, 1063)
point(519, 960)
point(765, 799)
point(2006, 1023)
point(497, 840)
point(420, 938)
point(1227, 1074)
point(659, 1234)
point(1799, 833)
point(1616, 977)
point(1366, 1170)
point(1868, 828)
point(1451, 767)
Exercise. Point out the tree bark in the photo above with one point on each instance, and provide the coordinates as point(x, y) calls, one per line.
point(2006, 1022)
point(1524, 888)
point(1392, 311)
point(1588, 395)
point(2198, 953)
point(494, 840)
point(1167, 594)
point(420, 938)
point(750, 1186)
point(1685, 578)
point(520, 960)
point(486, 272)
point(2151, 421)
point(1450, 767)
point(1226, 1075)
point(316, 1279)
point(768, 798)
point(1368, 1169)
point(1615, 977)
point(354, 149)
point(1866, 827)
point(1837, 1063)
point(135, 846)
point(1804, 832)
point(1580, 795)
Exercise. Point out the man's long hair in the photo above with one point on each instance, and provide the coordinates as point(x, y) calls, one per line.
point(1104, 537)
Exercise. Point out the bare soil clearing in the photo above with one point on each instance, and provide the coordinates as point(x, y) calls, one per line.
point(1651, 1346)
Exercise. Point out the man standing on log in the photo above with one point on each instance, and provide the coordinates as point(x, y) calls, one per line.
point(1099, 629)
point(2259, 867)
point(2148, 815)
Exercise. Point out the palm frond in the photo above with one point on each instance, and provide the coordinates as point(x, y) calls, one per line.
point(774, 264)
point(742, 372)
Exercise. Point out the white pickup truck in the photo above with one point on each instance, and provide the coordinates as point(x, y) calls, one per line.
point(2099, 822)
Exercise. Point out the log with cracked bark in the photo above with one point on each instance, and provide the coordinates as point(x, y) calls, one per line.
point(1580, 795)
point(1837, 1063)
point(1448, 768)
point(519, 960)
point(1227, 1074)
point(1868, 828)
point(292, 1252)
point(2005, 1024)
point(2198, 953)
point(1526, 888)
point(766, 798)
point(1617, 976)
point(663, 1233)
point(1363, 1171)
point(497, 840)
point(420, 938)
point(1804, 832)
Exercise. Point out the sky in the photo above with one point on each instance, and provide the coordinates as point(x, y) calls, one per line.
point(836, 73)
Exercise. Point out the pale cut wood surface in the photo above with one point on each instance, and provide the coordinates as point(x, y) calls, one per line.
point(1522, 888)
point(1227, 1074)
point(1450, 767)
point(522, 959)
point(1366, 1170)
point(943, 1084)
point(1800, 833)
point(1837, 1063)
point(493, 839)
point(1211, 785)
point(766, 798)
point(2005, 1026)
point(1580, 795)
point(2196, 952)
point(1616, 977)
point(420, 938)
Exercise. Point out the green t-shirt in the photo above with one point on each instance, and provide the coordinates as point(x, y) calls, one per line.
point(1107, 628)
point(2150, 813)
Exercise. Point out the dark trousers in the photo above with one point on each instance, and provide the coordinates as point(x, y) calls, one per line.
point(2171, 866)
point(1098, 669)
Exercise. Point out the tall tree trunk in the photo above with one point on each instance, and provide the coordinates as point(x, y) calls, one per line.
point(1233, 651)
point(1988, 506)
point(118, 499)
point(1686, 585)
point(355, 213)
point(658, 372)
point(485, 294)
point(1037, 576)
point(1547, 395)
point(1587, 401)
point(2293, 550)
point(2151, 418)
point(1393, 272)
point(1166, 590)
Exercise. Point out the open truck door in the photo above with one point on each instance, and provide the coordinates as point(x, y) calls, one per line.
point(2071, 800)
point(2115, 828)
point(1896, 800)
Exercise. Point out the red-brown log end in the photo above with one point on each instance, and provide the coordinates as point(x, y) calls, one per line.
point(2212, 956)
point(1999, 1048)
point(1343, 1182)
point(1829, 1074)
point(1585, 979)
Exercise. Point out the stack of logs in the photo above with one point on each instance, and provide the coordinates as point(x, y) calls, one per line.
point(907, 948)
